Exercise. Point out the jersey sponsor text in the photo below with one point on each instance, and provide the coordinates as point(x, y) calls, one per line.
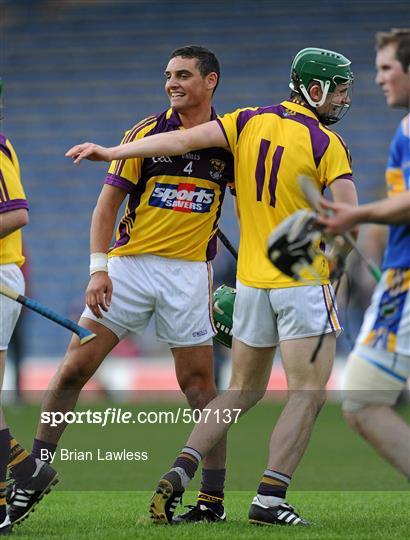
point(183, 197)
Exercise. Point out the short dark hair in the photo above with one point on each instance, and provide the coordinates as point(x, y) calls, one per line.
point(207, 62)
point(399, 37)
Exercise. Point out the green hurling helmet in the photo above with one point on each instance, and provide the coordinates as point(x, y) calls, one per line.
point(223, 300)
point(328, 68)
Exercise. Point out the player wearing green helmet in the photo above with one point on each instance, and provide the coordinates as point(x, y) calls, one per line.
point(329, 69)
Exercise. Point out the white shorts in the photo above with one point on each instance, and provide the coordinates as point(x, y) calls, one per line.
point(386, 324)
point(12, 276)
point(177, 291)
point(264, 317)
point(373, 376)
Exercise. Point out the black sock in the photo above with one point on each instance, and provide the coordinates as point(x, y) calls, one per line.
point(4, 458)
point(43, 450)
point(211, 492)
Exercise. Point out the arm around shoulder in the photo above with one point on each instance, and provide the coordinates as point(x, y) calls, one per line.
point(173, 143)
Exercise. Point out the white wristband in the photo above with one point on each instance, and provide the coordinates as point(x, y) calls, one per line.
point(98, 263)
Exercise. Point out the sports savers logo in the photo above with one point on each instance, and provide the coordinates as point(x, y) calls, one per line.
point(182, 197)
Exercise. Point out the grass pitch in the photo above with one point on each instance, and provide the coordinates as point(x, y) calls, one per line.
point(341, 485)
point(124, 515)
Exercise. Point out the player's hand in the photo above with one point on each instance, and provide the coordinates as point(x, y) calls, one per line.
point(99, 292)
point(339, 217)
point(91, 151)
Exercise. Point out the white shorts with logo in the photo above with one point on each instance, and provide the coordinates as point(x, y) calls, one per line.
point(264, 317)
point(12, 276)
point(179, 292)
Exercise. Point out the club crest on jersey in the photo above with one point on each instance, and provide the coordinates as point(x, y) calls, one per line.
point(217, 169)
point(183, 197)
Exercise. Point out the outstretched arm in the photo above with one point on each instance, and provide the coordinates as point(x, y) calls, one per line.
point(394, 210)
point(174, 143)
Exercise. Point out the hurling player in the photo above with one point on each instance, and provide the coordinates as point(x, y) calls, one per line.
point(272, 146)
point(379, 366)
point(31, 473)
point(160, 263)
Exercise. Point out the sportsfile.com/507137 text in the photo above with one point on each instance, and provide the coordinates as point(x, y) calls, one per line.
point(112, 415)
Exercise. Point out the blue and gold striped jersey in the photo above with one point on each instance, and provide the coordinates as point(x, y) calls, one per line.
point(175, 202)
point(397, 254)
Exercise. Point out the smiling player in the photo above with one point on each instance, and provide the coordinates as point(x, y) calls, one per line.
point(160, 262)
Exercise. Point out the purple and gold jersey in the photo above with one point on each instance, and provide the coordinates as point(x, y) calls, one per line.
point(272, 146)
point(12, 197)
point(397, 254)
point(174, 202)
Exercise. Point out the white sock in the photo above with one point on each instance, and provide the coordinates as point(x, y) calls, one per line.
point(270, 500)
point(185, 479)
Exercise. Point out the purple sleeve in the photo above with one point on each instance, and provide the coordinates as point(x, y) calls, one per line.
point(119, 182)
point(15, 204)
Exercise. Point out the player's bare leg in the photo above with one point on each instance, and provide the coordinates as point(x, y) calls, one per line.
point(383, 428)
point(79, 365)
point(251, 369)
point(195, 374)
point(291, 434)
point(194, 367)
point(307, 394)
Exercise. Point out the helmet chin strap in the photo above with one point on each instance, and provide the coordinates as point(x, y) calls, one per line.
point(325, 91)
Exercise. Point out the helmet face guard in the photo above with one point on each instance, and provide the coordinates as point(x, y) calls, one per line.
point(329, 69)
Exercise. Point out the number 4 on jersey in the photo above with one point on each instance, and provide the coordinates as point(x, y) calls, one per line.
point(188, 168)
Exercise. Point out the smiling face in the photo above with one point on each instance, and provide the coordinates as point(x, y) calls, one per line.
point(186, 88)
point(390, 76)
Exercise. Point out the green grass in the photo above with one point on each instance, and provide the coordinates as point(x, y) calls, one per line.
point(336, 459)
point(341, 485)
point(124, 515)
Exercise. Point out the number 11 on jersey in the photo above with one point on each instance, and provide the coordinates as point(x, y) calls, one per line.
point(260, 172)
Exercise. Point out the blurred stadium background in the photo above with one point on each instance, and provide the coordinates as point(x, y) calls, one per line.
point(89, 69)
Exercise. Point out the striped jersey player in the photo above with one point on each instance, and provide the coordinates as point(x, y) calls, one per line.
point(378, 368)
point(160, 262)
point(379, 365)
point(385, 326)
point(174, 202)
